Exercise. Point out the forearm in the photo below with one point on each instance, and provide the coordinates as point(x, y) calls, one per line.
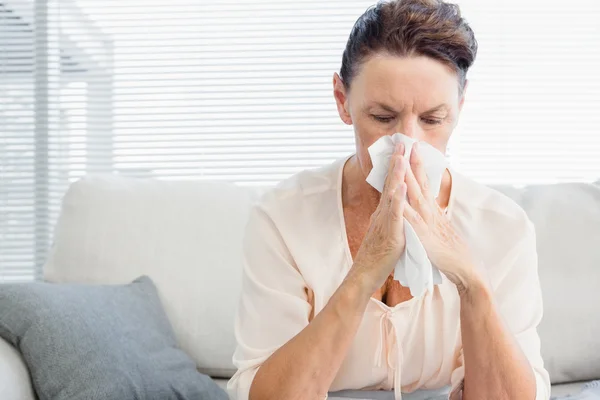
point(305, 366)
point(495, 366)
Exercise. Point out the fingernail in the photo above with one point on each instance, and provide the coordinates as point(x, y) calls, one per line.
point(416, 147)
point(401, 148)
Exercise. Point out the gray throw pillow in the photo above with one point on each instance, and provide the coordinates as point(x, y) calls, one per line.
point(103, 342)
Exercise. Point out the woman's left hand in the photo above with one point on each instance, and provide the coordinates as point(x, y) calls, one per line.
point(444, 246)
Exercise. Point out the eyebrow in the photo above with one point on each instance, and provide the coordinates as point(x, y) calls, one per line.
point(436, 108)
point(390, 109)
point(386, 107)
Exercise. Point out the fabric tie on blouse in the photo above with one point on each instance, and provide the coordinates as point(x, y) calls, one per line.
point(393, 358)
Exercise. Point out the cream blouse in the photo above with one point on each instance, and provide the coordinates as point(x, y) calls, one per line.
point(296, 255)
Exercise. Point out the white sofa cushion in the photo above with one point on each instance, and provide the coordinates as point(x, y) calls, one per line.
point(185, 235)
point(15, 383)
point(567, 223)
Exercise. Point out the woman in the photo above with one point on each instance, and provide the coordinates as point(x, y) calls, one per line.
point(320, 310)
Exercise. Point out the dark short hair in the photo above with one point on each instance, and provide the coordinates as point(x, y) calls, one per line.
point(431, 28)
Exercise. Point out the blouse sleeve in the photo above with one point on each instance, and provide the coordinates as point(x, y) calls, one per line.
point(518, 295)
point(273, 307)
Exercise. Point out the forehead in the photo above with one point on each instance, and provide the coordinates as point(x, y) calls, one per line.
point(418, 81)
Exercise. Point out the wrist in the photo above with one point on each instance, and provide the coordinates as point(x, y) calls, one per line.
point(350, 299)
point(359, 283)
point(473, 289)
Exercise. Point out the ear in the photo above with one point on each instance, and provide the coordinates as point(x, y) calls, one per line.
point(341, 99)
point(462, 97)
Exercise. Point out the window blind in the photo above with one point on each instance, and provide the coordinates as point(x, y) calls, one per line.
point(240, 90)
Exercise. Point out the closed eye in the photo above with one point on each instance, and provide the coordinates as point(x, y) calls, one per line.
point(432, 121)
point(382, 119)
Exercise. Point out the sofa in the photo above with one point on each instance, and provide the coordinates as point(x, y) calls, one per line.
point(187, 237)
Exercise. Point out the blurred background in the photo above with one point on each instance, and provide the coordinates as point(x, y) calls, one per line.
point(241, 91)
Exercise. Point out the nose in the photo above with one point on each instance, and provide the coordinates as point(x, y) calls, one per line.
point(410, 127)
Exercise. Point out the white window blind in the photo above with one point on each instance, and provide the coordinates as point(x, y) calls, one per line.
point(240, 90)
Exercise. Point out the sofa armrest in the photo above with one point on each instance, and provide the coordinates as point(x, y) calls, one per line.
point(15, 383)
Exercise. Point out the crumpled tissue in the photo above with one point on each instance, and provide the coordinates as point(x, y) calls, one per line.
point(414, 269)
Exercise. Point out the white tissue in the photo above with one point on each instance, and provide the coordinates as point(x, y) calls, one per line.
point(414, 269)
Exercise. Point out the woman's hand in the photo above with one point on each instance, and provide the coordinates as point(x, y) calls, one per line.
point(384, 242)
point(444, 246)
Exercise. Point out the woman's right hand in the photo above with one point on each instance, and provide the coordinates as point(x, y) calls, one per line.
point(384, 242)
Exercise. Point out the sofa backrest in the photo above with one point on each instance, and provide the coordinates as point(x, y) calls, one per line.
point(187, 237)
point(567, 223)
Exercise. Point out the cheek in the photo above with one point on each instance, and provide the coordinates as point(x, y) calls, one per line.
point(367, 131)
point(437, 138)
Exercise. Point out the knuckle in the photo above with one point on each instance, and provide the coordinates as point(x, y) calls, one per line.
point(396, 215)
point(401, 163)
point(416, 217)
point(387, 200)
point(389, 246)
point(412, 217)
point(392, 165)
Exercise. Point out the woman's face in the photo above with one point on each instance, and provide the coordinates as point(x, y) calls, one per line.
point(416, 96)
